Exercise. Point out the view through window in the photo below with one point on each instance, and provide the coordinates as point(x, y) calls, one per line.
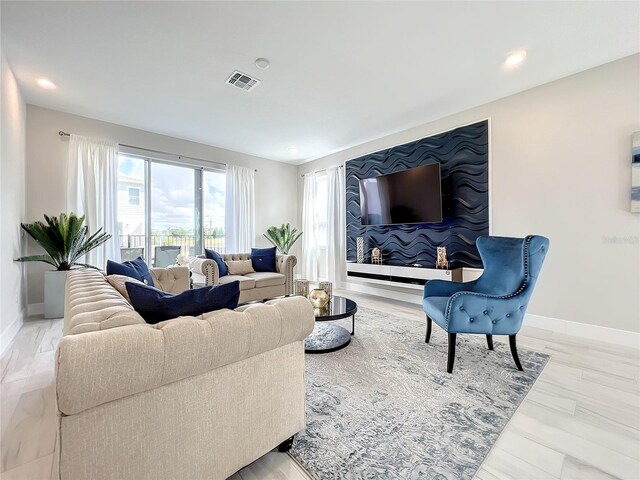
point(166, 209)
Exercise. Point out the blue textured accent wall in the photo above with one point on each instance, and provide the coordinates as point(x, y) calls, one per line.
point(464, 163)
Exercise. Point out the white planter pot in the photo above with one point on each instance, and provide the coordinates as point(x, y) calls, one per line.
point(54, 283)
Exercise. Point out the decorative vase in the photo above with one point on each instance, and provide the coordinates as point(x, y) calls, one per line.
point(441, 260)
point(301, 287)
point(54, 283)
point(318, 298)
point(360, 249)
point(327, 287)
point(376, 256)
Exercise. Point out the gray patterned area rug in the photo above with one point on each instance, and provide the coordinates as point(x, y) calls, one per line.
point(385, 408)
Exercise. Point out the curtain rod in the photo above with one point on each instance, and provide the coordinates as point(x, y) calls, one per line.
point(322, 170)
point(65, 134)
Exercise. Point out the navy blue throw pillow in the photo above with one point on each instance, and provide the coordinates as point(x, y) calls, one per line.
point(133, 268)
point(215, 256)
point(263, 259)
point(155, 305)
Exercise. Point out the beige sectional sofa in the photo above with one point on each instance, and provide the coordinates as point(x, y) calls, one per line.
point(253, 286)
point(189, 398)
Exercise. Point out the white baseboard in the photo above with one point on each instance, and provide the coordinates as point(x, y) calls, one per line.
point(567, 327)
point(9, 333)
point(35, 309)
point(584, 330)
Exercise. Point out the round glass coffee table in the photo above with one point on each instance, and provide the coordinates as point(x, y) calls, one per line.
point(328, 337)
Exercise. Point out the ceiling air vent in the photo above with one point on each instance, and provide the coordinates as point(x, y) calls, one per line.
point(242, 81)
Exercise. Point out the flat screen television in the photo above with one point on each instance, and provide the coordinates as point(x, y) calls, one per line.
point(411, 196)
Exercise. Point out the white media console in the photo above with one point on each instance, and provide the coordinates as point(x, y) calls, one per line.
point(406, 277)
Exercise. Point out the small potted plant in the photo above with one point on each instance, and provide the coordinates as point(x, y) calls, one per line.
point(282, 237)
point(65, 240)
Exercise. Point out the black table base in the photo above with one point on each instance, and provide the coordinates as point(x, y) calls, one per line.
point(327, 337)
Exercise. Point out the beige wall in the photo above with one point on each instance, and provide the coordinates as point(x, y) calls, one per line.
point(561, 167)
point(46, 172)
point(12, 204)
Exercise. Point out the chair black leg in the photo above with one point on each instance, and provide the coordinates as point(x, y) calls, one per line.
point(452, 352)
point(285, 446)
point(490, 342)
point(428, 337)
point(514, 351)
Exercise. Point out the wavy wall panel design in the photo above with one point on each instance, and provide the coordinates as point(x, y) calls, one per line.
point(464, 163)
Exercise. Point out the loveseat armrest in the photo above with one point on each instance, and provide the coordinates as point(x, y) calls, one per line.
point(99, 367)
point(171, 279)
point(285, 265)
point(204, 270)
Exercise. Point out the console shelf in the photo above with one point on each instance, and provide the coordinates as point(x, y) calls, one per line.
point(407, 277)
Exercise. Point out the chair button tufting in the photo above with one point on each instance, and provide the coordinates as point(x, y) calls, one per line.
point(493, 321)
point(485, 312)
point(471, 320)
point(461, 309)
point(508, 315)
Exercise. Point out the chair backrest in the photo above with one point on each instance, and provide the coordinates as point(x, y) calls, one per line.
point(127, 253)
point(165, 255)
point(511, 265)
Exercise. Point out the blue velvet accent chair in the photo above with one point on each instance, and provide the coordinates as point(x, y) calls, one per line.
point(495, 303)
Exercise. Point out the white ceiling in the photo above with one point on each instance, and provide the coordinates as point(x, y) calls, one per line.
point(341, 73)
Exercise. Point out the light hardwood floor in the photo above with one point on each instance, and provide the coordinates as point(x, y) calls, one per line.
point(581, 420)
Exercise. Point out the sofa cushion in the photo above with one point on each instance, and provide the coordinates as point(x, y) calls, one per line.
point(215, 256)
point(246, 283)
point(118, 282)
point(155, 305)
point(263, 259)
point(134, 268)
point(239, 267)
point(267, 279)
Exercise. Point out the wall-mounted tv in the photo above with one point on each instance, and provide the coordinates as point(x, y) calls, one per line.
point(410, 196)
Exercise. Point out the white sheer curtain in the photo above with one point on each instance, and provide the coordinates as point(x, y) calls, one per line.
point(92, 190)
point(323, 223)
point(240, 210)
point(309, 262)
point(336, 234)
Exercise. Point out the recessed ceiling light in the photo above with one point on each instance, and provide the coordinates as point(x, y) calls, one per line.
point(292, 150)
point(262, 63)
point(46, 84)
point(515, 58)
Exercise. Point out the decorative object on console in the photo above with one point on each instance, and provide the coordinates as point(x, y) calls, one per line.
point(319, 298)
point(442, 261)
point(301, 287)
point(360, 249)
point(182, 260)
point(463, 155)
point(635, 173)
point(376, 256)
point(283, 237)
point(327, 287)
point(495, 303)
point(443, 425)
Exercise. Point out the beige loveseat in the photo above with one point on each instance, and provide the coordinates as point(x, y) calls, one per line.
point(189, 398)
point(253, 286)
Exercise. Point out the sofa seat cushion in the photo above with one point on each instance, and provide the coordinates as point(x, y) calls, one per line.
point(267, 279)
point(246, 283)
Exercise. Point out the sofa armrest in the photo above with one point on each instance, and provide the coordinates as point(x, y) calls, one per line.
point(206, 268)
point(285, 265)
point(171, 279)
point(99, 367)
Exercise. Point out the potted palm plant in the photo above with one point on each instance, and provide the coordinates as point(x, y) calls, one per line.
point(65, 240)
point(282, 237)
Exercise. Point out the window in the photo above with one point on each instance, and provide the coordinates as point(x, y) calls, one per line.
point(134, 196)
point(166, 209)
